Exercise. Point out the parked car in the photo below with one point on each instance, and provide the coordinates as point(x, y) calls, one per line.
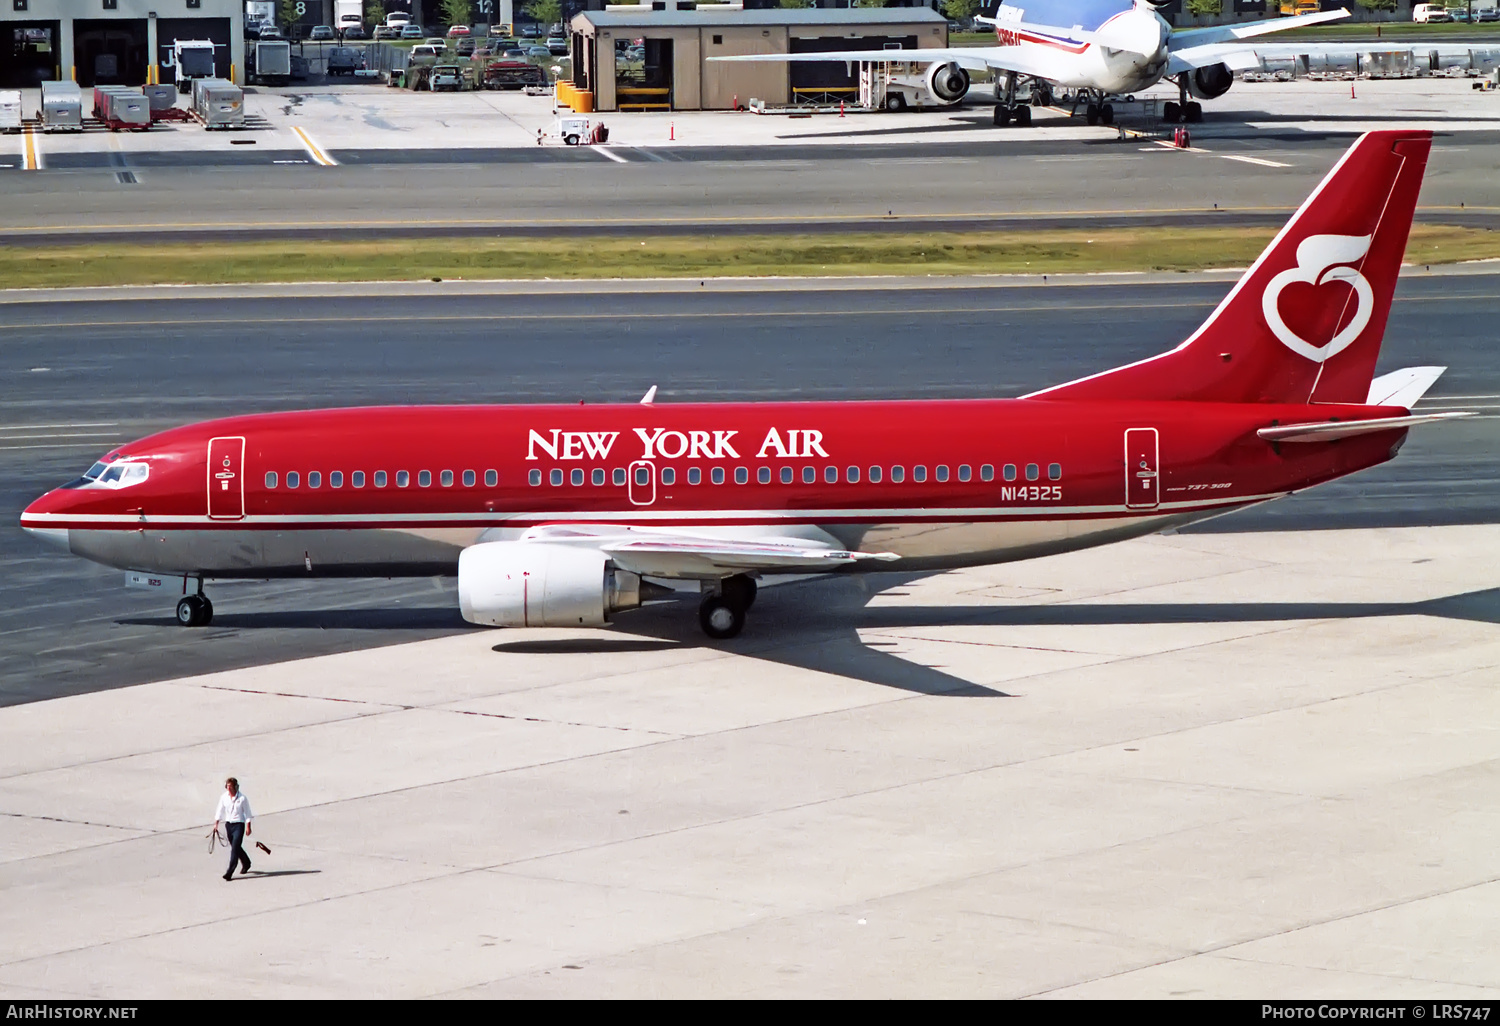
point(558, 45)
point(455, 31)
point(1425, 13)
point(397, 19)
point(425, 51)
point(321, 32)
point(354, 32)
point(268, 31)
point(437, 41)
point(1459, 13)
point(345, 60)
point(446, 77)
point(385, 32)
point(538, 51)
point(411, 32)
point(531, 32)
point(502, 43)
point(514, 53)
point(464, 46)
point(1493, 14)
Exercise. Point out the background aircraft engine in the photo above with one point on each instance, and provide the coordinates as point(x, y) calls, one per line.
point(947, 82)
point(531, 584)
point(1210, 82)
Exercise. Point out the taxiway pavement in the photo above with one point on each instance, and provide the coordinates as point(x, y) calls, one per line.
point(86, 376)
point(1239, 765)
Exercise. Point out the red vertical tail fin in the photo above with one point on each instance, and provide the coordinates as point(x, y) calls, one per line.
point(1305, 322)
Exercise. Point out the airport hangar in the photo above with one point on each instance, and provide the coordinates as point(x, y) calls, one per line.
point(677, 75)
point(112, 42)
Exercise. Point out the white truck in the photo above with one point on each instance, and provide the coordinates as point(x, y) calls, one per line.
point(272, 61)
point(192, 59)
point(348, 14)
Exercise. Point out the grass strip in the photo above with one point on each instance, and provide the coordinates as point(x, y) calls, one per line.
point(855, 253)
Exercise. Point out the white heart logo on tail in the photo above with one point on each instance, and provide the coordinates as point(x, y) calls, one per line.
point(1322, 259)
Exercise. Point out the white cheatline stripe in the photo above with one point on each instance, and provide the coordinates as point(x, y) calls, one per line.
point(611, 155)
point(313, 149)
point(1254, 160)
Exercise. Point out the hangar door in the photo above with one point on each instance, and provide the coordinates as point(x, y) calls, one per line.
point(819, 82)
point(111, 52)
point(169, 30)
point(28, 53)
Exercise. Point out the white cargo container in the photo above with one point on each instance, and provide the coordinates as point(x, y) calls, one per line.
point(219, 104)
point(62, 107)
point(121, 107)
point(10, 110)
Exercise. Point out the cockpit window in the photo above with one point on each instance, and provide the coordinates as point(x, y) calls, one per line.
point(118, 473)
point(93, 472)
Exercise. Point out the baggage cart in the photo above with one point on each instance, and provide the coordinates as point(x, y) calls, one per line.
point(123, 109)
point(62, 107)
point(219, 104)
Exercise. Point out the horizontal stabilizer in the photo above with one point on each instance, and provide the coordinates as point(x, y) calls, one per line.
point(1331, 430)
point(1403, 387)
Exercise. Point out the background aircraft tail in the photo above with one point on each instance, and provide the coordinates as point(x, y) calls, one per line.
point(1305, 322)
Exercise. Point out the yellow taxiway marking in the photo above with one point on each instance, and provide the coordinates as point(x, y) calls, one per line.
point(33, 155)
point(313, 149)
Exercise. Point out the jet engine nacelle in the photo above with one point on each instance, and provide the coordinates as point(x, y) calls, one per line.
point(948, 83)
point(1210, 82)
point(535, 584)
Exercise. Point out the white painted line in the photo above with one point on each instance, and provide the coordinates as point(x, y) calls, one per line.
point(70, 434)
point(313, 149)
point(83, 424)
point(1254, 160)
point(611, 155)
point(58, 445)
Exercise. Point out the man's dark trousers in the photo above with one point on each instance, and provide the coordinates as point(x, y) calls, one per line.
point(236, 834)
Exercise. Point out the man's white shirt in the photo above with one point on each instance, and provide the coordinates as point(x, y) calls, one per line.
point(234, 810)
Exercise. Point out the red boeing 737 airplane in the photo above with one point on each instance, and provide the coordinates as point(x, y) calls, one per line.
point(560, 515)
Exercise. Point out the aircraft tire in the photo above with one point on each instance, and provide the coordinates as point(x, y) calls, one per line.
point(895, 102)
point(1193, 112)
point(720, 619)
point(1107, 114)
point(739, 591)
point(1023, 117)
point(1091, 114)
point(191, 611)
point(1002, 115)
point(1171, 112)
point(208, 613)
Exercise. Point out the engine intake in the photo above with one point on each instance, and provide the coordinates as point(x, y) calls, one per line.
point(1210, 82)
point(949, 83)
point(535, 584)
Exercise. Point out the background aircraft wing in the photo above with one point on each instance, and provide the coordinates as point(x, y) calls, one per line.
point(974, 58)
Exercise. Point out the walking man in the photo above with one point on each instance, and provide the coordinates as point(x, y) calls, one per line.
point(234, 812)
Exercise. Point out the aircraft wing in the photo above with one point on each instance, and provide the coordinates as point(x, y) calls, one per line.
point(669, 553)
point(974, 58)
point(1234, 56)
point(1189, 38)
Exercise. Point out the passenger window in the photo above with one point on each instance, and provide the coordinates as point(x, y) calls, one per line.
point(695, 475)
point(1010, 472)
point(379, 479)
point(874, 475)
point(1054, 471)
point(556, 477)
point(940, 472)
point(424, 478)
point(809, 475)
point(987, 473)
point(314, 480)
point(535, 477)
point(642, 476)
point(1033, 472)
point(291, 479)
point(619, 477)
point(963, 472)
point(741, 475)
point(402, 479)
point(786, 475)
point(763, 475)
point(718, 475)
point(270, 479)
point(491, 478)
point(469, 479)
point(668, 476)
point(898, 474)
point(357, 479)
point(831, 475)
point(336, 479)
point(851, 475)
point(919, 473)
point(446, 479)
point(598, 476)
point(577, 476)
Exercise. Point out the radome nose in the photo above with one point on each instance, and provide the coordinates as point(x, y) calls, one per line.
point(57, 537)
point(34, 521)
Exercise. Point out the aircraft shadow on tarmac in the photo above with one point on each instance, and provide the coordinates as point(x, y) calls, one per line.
point(399, 618)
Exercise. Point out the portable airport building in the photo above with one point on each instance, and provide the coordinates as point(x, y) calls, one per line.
point(62, 107)
point(112, 42)
point(658, 60)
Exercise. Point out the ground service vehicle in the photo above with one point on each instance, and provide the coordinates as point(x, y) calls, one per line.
point(345, 60)
point(192, 59)
point(349, 14)
point(446, 78)
point(1428, 13)
point(269, 61)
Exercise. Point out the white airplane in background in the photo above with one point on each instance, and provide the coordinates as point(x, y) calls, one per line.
point(1112, 47)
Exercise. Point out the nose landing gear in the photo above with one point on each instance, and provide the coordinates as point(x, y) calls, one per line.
point(195, 610)
point(722, 614)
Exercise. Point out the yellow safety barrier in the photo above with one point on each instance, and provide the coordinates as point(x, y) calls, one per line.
point(583, 101)
point(660, 98)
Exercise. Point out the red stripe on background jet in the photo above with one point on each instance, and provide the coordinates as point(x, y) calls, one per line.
point(562, 515)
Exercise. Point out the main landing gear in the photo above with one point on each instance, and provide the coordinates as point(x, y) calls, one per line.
point(1185, 109)
point(722, 614)
point(1096, 110)
point(1007, 110)
point(195, 610)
